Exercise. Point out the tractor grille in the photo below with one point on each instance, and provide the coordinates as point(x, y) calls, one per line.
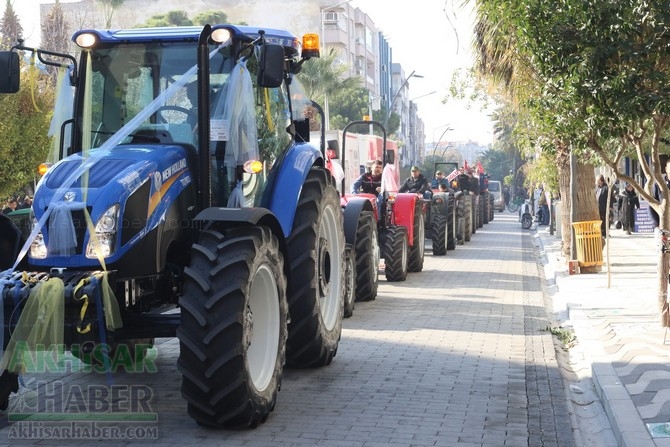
point(79, 223)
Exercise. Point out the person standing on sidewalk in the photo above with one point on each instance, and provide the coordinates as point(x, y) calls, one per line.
point(543, 207)
point(601, 197)
point(628, 203)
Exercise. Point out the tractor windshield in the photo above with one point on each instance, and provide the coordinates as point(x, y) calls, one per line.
point(146, 93)
point(127, 79)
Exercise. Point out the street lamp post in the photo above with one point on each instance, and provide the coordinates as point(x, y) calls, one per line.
point(390, 110)
point(438, 141)
point(423, 96)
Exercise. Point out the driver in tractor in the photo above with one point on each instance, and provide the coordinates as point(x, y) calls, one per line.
point(416, 182)
point(369, 182)
point(439, 180)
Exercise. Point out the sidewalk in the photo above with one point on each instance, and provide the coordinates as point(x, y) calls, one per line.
point(618, 333)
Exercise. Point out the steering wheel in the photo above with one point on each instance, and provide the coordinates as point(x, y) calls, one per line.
point(161, 109)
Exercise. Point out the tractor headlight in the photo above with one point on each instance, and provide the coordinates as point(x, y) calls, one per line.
point(102, 244)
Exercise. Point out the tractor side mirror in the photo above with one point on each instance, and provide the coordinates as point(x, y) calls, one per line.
point(271, 67)
point(10, 75)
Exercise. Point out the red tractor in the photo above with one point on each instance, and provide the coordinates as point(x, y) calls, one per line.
point(390, 226)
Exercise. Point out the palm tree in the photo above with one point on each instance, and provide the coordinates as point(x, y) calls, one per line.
point(325, 76)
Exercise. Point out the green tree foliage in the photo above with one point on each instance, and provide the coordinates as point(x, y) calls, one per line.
point(170, 18)
point(325, 77)
point(210, 18)
point(392, 123)
point(10, 27)
point(24, 131)
point(594, 76)
point(348, 105)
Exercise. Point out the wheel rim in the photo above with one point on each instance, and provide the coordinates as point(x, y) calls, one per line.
point(349, 283)
point(262, 327)
point(422, 236)
point(376, 255)
point(330, 268)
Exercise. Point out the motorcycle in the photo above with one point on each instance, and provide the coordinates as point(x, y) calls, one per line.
point(526, 215)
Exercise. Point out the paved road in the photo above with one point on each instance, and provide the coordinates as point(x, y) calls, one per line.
point(455, 356)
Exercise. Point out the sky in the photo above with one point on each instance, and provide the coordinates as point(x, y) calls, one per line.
point(425, 41)
point(29, 15)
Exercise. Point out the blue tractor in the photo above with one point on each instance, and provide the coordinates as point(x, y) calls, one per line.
point(186, 200)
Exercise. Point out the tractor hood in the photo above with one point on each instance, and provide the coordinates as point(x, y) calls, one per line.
point(142, 180)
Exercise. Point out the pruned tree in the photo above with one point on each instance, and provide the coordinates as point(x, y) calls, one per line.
point(109, 7)
point(56, 30)
point(10, 27)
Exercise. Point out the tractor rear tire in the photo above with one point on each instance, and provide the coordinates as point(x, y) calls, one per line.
point(233, 329)
point(395, 253)
point(316, 283)
point(439, 234)
point(467, 230)
point(367, 257)
point(418, 248)
point(452, 222)
point(349, 281)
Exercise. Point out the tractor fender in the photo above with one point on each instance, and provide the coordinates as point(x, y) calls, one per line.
point(291, 172)
point(352, 212)
point(249, 216)
point(403, 210)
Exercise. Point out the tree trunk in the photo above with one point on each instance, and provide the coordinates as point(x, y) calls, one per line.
point(563, 165)
point(586, 204)
point(662, 270)
point(663, 288)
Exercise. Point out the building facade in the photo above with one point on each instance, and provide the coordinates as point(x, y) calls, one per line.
point(349, 31)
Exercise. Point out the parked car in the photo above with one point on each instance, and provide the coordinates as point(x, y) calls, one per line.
point(495, 188)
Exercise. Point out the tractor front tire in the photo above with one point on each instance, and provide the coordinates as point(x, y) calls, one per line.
point(233, 327)
point(439, 234)
point(395, 253)
point(467, 230)
point(418, 248)
point(367, 257)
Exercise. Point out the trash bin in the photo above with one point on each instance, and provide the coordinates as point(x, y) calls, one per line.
point(589, 245)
